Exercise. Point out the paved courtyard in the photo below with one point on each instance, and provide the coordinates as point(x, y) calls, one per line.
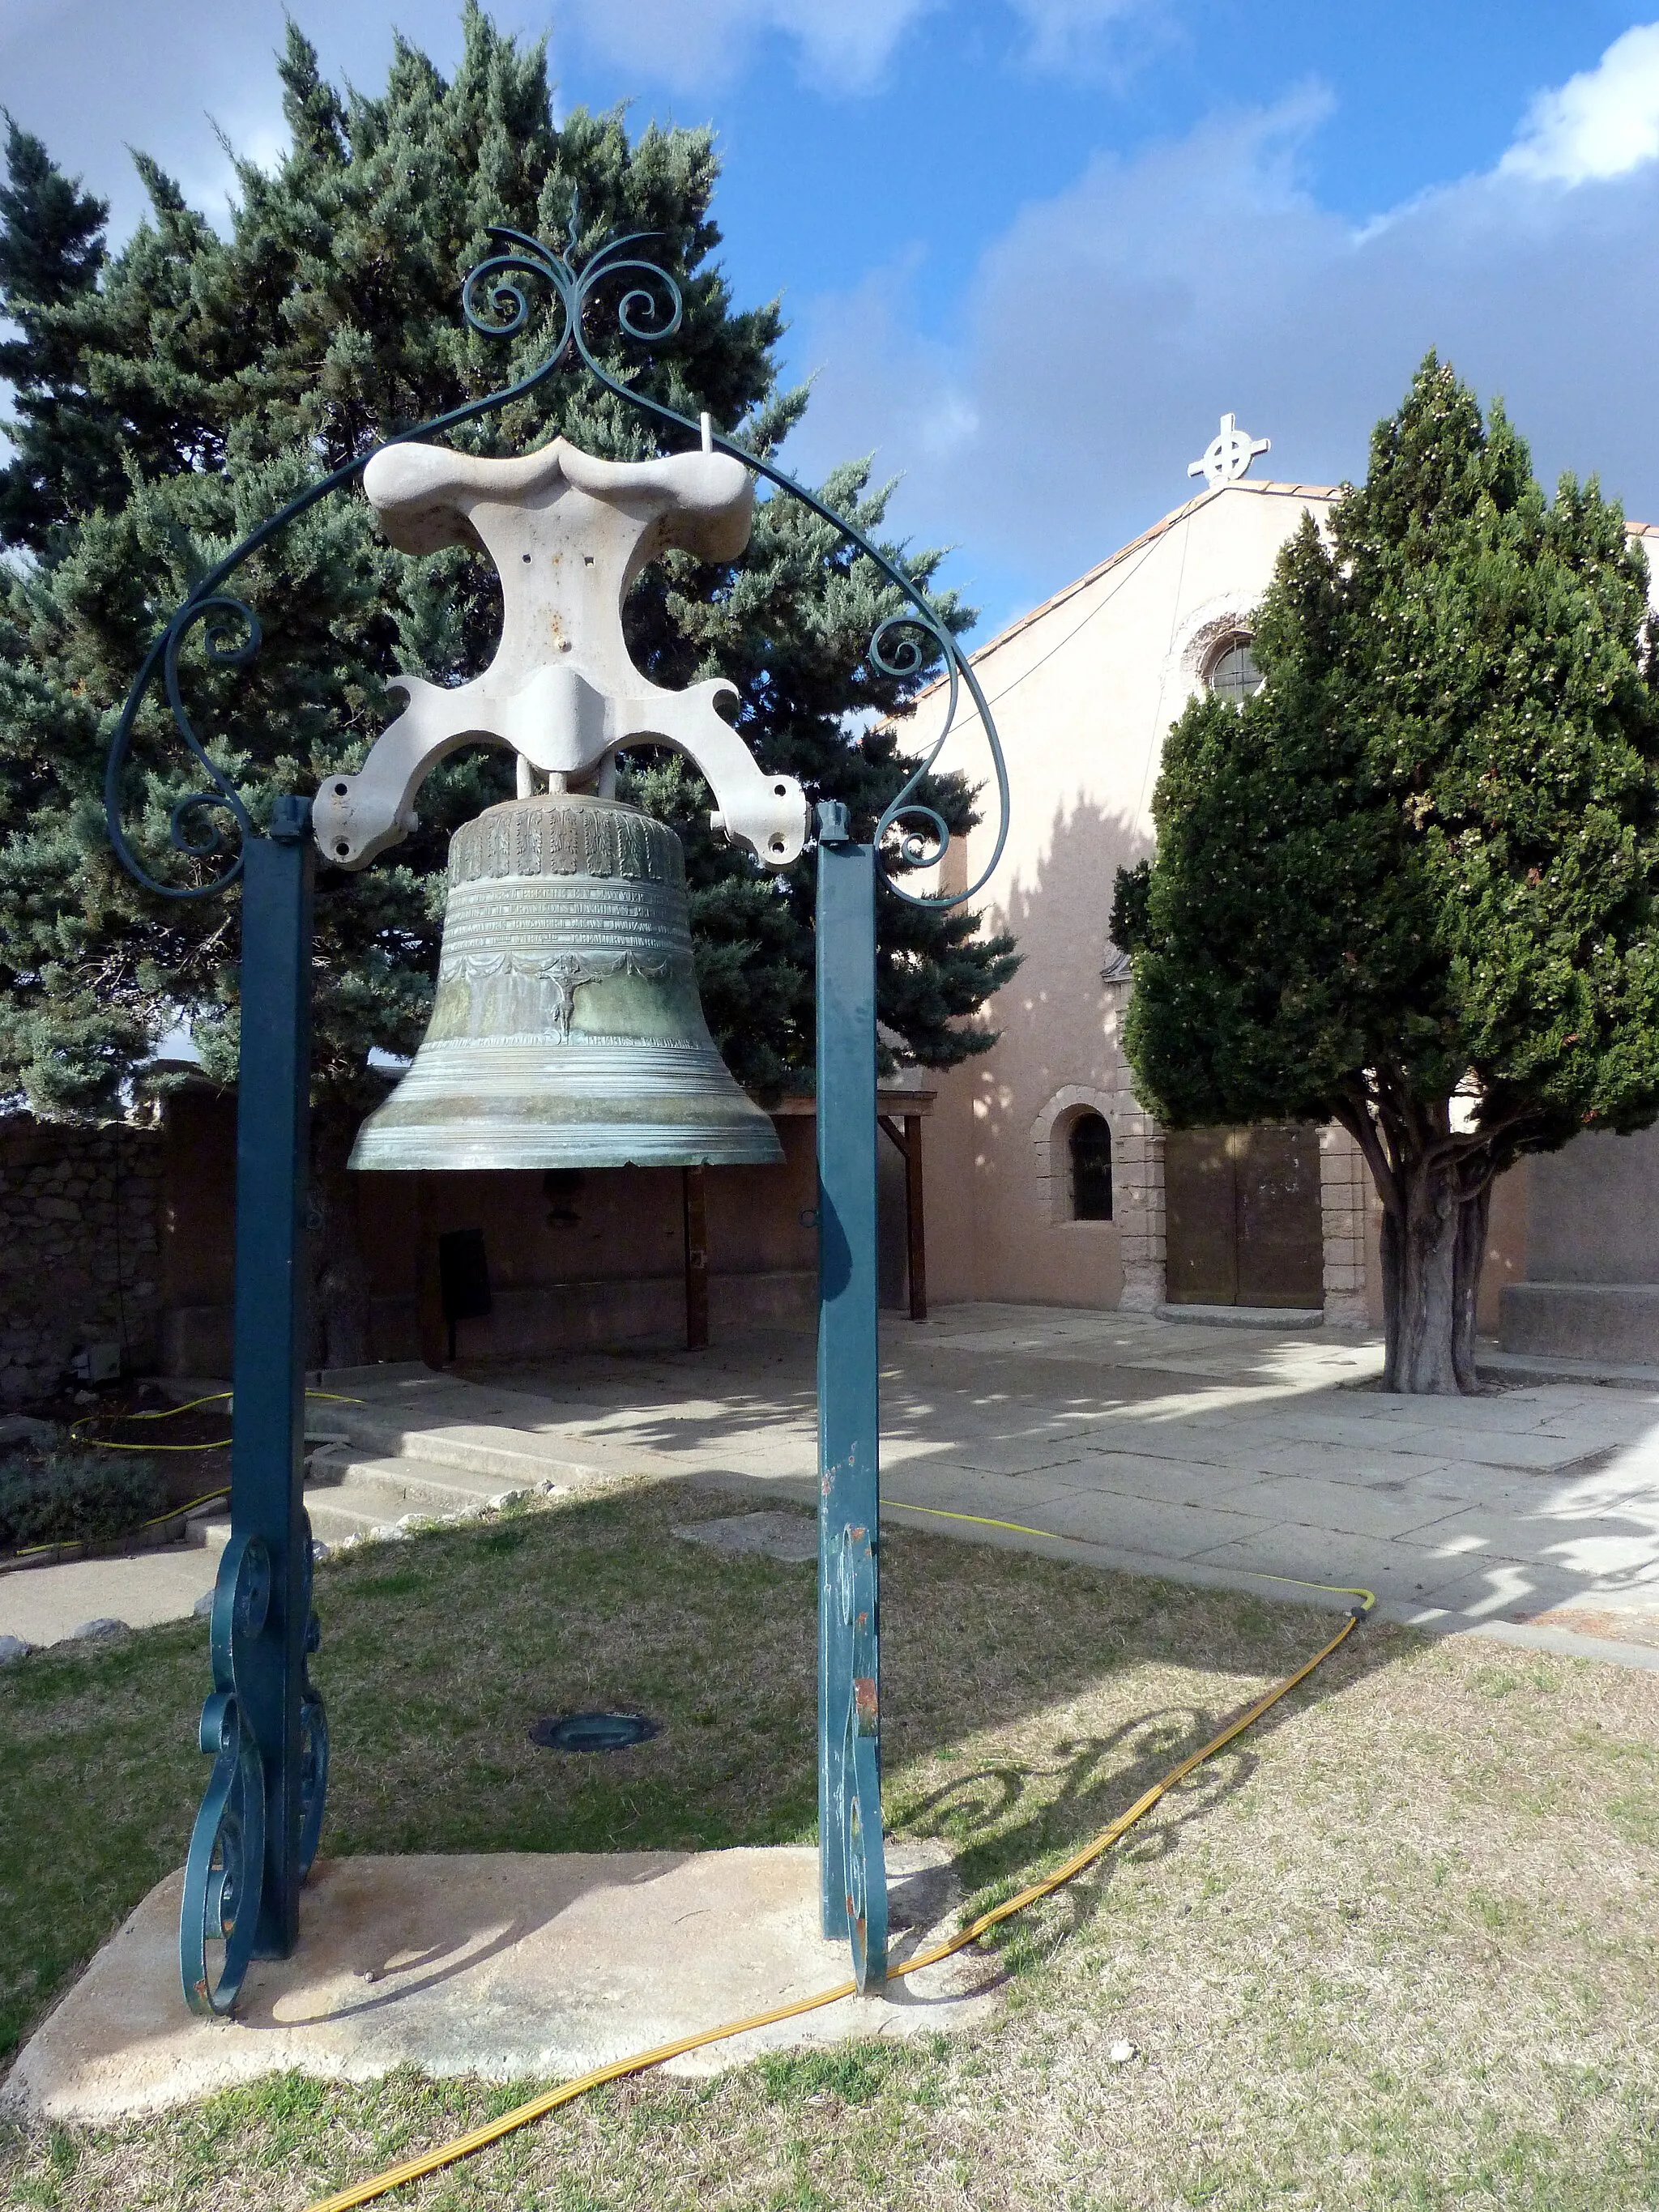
point(1188, 1450)
point(1205, 1453)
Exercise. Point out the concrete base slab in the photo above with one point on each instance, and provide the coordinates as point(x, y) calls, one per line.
point(515, 1965)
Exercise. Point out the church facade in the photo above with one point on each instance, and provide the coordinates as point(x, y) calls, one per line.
point(1056, 1185)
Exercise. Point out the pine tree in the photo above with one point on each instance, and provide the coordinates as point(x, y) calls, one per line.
point(52, 248)
point(1411, 885)
point(173, 395)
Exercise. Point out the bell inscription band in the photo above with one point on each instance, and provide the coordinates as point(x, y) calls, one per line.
point(567, 1030)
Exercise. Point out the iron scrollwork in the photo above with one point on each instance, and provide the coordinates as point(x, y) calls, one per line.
point(232, 633)
point(495, 305)
point(650, 309)
point(224, 1872)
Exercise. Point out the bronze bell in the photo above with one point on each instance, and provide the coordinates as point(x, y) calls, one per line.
point(567, 1030)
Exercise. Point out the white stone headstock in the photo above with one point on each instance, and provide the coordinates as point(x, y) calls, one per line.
point(567, 534)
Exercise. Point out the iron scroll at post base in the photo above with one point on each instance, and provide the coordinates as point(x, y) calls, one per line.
point(263, 1725)
point(851, 1863)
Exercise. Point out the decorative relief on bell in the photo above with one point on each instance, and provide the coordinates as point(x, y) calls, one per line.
point(527, 994)
point(549, 836)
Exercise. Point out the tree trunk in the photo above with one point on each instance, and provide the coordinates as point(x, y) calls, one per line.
point(1419, 1281)
point(339, 1272)
point(1473, 1218)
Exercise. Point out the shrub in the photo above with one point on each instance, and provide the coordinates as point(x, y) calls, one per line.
point(76, 1497)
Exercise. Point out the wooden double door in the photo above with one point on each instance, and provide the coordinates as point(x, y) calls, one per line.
point(1241, 1217)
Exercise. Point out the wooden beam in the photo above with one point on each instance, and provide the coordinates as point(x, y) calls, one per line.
point(916, 1234)
point(914, 1223)
point(692, 1184)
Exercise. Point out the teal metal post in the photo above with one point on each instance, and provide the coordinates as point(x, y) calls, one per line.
point(257, 1830)
point(851, 1861)
point(273, 1120)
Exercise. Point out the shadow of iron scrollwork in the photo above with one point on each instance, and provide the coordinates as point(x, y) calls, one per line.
point(1000, 1820)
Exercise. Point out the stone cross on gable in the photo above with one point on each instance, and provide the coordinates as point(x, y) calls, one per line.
point(1228, 456)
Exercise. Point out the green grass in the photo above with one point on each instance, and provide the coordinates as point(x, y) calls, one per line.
point(1394, 1947)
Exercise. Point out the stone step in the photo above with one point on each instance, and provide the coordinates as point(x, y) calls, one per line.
point(419, 1485)
point(351, 1495)
point(500, 1458)
point(357, 1510)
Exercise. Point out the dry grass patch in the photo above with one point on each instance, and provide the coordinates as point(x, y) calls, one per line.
point(1395, 1947)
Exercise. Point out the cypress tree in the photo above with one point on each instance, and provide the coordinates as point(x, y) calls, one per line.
point(175, 393)
point(1410, 886)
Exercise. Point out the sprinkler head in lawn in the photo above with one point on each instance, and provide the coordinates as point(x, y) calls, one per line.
point(592, 1731)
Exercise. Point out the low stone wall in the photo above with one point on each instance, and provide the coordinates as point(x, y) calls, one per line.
point(79, 1249)
point(1617, 1321)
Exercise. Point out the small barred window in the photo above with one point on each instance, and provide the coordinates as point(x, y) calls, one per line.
point(1233, 674)
point(1091, 1142)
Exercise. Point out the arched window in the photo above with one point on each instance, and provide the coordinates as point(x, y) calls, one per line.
point(1090, 1145)
point(1233, 675)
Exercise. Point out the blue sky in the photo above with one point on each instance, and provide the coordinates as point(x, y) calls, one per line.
point(1032, 249)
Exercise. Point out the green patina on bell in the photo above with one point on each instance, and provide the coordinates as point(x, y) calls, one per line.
point(567, 1030)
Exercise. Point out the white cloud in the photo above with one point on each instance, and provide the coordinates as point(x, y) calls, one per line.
point(1109, 325)
point(1064, 32)
point(1603, 123)
point(843, 45)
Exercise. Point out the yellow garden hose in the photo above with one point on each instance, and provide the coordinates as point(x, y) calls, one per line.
point(166, 1414)
point(1054, 1536)
point(431, 2161)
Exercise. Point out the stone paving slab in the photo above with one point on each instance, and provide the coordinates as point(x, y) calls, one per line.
point(1589, 1551)
point(1278, 1458)
point(1170, 1532)
point(513, 1966)
point(44, 1605)
point(1175, 1480)
point(1488, 1588)
point(1347, 1509)
point(1426, 1437)
point(1463, 1486)
point(1019, 1455)
point(1402, 1577)
point(1010, 1497)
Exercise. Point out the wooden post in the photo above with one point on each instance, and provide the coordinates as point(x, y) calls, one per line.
point(915, 1225)
point(916, 1234)
point(696, 1258)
